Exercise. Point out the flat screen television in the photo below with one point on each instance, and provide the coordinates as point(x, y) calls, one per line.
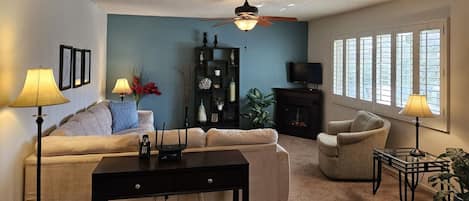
point(305, 73)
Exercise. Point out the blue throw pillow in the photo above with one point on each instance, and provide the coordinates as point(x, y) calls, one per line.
point(124, 115)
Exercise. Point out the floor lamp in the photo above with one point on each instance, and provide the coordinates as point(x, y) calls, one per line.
point(417, 106)
point(122, 88)
point(39, 90)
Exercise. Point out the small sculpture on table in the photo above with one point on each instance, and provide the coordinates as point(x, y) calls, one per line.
point(172, 152)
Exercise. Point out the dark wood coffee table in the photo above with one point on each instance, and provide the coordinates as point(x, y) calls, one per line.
point(130, 177)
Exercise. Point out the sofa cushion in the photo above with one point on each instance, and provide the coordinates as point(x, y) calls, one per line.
point(365, 121)
point(132, 130)
point(124, 115)
point(103, 115)
point(328, 144)
point(227, 137)
point(89, 123)
point(71, 128)
point(196, 136)
point(80, 145)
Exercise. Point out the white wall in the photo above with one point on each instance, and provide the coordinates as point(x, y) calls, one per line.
point(30, 34)
point(395, 13)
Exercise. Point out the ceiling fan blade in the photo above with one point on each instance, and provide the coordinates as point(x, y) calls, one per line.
point(263, 22)
point(281, 19)
point(223, 23)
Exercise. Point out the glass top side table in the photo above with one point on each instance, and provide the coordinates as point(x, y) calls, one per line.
point(409, 168)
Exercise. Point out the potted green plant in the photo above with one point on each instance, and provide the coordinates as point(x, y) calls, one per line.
point(257, 105)
point(457, 180)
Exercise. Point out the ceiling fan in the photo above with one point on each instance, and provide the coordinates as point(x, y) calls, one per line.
point(247, 18)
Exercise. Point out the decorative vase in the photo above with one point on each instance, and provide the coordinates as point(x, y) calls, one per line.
point(219, 104)
point(232, 90)
point(232, 57)
point(217, 72)
point(205, 39)
point(215, 41)
point(201, 57)
point(202, 116)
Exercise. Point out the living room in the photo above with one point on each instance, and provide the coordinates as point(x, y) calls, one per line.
point(157, 40)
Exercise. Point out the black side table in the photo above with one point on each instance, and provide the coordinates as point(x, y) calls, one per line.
point(130, 177)
point(409, 168)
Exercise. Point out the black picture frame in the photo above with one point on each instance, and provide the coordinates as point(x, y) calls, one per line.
point(65, 67)
point(86, 70)
point(78, 58)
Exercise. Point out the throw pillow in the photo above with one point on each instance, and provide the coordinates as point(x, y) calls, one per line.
point(124, 115)
point(365, 121)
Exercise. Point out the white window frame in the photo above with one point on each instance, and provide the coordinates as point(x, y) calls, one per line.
point(439, 122)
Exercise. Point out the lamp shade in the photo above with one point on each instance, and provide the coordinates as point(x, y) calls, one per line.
point(39, 89)
point(122, 87)
point(417, 106)
point(245, 24)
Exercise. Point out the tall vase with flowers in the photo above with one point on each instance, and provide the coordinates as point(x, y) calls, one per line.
point(139, 90)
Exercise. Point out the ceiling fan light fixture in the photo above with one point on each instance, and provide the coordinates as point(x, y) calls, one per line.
point(246, 24)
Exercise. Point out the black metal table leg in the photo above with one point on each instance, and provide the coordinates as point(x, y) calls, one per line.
point(406, 181)
point(374, 175)
point(246, 193)
point(400, 185)
point(377, 181)
point(413, 186)
point(235, 195)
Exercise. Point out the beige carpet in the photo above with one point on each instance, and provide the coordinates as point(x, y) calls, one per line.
point(308, 183)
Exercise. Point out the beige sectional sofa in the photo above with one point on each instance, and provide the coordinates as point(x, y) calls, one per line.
point(68, 161)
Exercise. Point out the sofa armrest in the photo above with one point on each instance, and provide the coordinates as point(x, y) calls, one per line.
point(335, 127)
point(355, 137)
point(145, 120)
point(283, 172)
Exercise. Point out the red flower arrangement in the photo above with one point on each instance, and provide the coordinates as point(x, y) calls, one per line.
point(140, 90)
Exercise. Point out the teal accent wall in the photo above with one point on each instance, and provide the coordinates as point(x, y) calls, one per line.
point(163, 48)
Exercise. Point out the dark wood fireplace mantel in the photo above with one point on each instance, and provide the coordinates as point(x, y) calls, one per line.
point(299, 112)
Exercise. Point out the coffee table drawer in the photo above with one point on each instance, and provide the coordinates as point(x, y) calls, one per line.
point(127, 186)
point(212, 179)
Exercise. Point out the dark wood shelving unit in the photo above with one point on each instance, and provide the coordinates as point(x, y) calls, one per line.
point(225, 59)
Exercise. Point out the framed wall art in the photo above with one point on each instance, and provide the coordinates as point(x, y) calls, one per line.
point(65, 67)
point(86, 74)
point(78, 58)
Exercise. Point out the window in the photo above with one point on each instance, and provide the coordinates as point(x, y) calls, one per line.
point(430, 68)
point(366, 68)
point(378, 71)
point(338, 66)
point(383, 69)
point(351, 68)
point(404, 66)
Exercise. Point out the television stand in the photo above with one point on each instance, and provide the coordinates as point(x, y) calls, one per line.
point(298, 112)
point(311, 86)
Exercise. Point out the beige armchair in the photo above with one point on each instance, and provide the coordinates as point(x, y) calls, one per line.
point(346, 151)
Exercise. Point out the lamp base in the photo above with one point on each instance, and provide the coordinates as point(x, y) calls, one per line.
point(417, 153)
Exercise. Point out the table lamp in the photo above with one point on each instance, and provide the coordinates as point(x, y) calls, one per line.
point(39, 90)
point(122, 88)
point(417, 106)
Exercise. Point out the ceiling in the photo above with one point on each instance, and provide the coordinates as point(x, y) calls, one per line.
point(302, 9)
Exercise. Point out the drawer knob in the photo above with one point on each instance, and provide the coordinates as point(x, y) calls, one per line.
point(137, 186)
point(210, 180)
